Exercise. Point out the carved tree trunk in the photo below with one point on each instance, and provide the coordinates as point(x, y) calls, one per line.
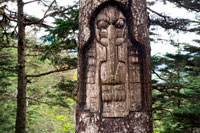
point(21, 88)
point(114, 81)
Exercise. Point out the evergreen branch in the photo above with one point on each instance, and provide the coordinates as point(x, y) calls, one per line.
point(163, 109)
point(37, 100)
point(11, 69)
point(14, 96)
point(168, 22)
point(5, 46)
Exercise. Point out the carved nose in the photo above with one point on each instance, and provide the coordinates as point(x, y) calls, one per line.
point(111, 48)
point(111, 33)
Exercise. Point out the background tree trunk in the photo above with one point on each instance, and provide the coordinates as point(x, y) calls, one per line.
point(90, 116)
point(21, 89)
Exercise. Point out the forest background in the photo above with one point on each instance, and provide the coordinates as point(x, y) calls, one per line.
point(49, 63)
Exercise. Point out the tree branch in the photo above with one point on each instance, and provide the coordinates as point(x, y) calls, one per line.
point(48, 15)
point(34, 99)
point(14, 96)
point(44, 16)
point(158, 75)
point(8, 46)
point(10, 17)
point(187, 7)
point(5, 45)
point(164, 17)
point(50, 72)
point(31, 1)
point(33, 54)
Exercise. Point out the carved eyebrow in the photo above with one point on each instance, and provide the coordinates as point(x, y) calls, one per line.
point(102, 20)
point(118, 19)
point(121, 18)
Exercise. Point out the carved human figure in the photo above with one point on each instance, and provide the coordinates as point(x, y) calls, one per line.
point(111, 36)
point(113, 84)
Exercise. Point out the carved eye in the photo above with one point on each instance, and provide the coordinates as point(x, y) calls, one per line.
point(102, 24)
point(119, 23)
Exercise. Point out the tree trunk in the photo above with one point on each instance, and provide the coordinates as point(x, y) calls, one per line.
point(21, 88)
point(114, 79)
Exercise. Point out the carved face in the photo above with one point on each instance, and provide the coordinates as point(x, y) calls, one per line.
point(110, 26)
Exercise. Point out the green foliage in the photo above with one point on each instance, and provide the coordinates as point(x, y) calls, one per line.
point(176, 88)
point(53, 118)
point(63, 38)
point(7, 89)
point(7, 115)
point(67, 88)
point(176, 91)
point(45, 94)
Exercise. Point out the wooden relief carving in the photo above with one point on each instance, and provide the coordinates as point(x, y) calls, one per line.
point(113, 82)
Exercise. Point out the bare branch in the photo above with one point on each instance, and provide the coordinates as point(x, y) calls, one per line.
point(12, 17)
point(187, 7)
point(9, 17)
point(49, 8)
point(158, 75)
point(31, 1)
point(47, 15)
point(50, 72)
point(44, 16)
point(164, 17)
point(9, 10)
point(33, 54)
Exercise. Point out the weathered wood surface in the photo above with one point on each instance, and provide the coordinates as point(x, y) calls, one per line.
point(114, 92)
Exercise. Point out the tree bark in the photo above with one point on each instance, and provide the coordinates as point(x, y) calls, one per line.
point(21, 88)
point(113, 42)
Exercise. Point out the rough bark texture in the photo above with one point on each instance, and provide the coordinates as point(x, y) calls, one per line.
point(21, 89)
point(114, 86)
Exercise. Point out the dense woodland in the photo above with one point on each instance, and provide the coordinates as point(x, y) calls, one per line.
point(38, 73)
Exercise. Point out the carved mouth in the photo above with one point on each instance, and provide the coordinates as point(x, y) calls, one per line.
point(114, 97)
point(113, 93)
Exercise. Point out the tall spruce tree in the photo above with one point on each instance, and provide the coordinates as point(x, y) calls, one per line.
point(61, 62)
point(176, 92)
point(176, 76)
